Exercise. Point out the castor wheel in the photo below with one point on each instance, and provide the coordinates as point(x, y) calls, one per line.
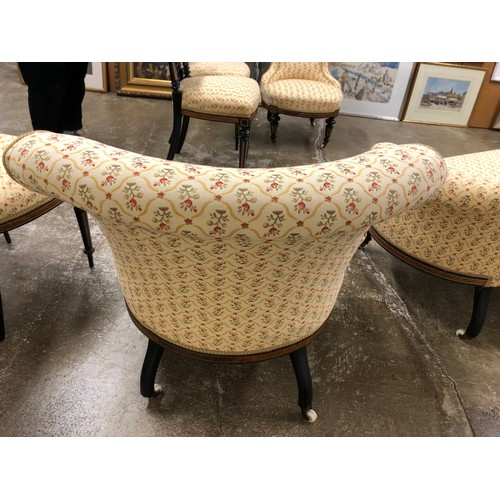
point(158, 390)
point(310, 415)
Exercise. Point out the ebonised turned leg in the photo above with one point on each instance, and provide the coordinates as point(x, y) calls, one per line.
point(176, 127)
point(312, 121)
point(304, 380)
point(367, 240)
point(184, 129)
point(2, 322)
point(152, 359)
point(330, 122)
point(83, 224)
point(236, 136)
point(244, 142)
point(481, 300)
point(7, 237)
point(273, 119)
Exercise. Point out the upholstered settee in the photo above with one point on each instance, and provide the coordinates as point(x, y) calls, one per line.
point(228, 264)
point(456, 234)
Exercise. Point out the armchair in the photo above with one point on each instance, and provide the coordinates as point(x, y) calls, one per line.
point(304, 89)
point(456, 235)
point(227, 264)
point(19, 206)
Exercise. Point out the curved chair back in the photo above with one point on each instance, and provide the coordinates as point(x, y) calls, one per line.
point(236, 264)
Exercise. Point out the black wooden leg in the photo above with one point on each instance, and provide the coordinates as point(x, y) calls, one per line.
point(2, 322)
point(273, 119)
point(304, 382)
point(7, 237)
point(236, 136)
point(481, 300)
point(312, 121)
point(367, 240)
point(176, 127)
point(330, 122)
point(184, 129)
point(152, 359)
point(83, 224)
point(244, 141)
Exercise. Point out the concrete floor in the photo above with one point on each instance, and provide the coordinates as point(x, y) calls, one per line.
point(387, 364)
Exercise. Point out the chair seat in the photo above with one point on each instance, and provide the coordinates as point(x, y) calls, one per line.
point(459, 230)
point(219, 69)
point(234, 96)
point(302, 96)
point(15, 200)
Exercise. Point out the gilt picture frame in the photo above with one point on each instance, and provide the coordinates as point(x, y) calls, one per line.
point(373, 89)
point(443, 94)
point(143, 79)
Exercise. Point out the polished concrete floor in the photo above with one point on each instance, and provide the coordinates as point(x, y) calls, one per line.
point(387, 364)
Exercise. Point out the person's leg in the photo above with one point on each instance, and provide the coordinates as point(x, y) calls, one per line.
point(45, 83)
point(73, 97)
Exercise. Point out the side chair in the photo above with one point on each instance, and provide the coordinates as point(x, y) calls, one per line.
point(226, 264)
point(304, 89)
point(228, 99)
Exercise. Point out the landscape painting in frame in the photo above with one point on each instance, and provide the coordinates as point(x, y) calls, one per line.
point(373, 89)
point(444, 94)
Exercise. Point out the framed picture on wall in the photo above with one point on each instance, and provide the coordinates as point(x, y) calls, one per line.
point(443, 94)
point(146, 79)
point(373, 89)
point(96, 78)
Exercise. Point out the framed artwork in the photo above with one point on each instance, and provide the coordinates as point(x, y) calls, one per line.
point(444, 94)
point(373, 89)
point(146, 79)
point(96, 78)
point(495, 76)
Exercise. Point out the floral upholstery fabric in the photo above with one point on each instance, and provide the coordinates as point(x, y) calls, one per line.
point(219, 69)
point(15, 200)
point(235, 96)
point(459, 230)
point(301, 87)
point(228, 261)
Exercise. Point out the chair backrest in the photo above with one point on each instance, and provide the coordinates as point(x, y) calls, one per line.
point(317, 71)
point(228, 261)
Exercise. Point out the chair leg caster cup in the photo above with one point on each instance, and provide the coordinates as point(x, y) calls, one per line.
point(310, 415)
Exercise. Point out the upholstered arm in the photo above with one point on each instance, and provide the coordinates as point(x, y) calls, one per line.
point(267, 203)
point(300, 71)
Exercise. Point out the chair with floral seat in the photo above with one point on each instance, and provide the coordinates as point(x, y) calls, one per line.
point(19, 206)
point(304, 89)
point(227, 264)
point(226, 99)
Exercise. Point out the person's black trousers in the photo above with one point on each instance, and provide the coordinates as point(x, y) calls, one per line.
point(55, 94)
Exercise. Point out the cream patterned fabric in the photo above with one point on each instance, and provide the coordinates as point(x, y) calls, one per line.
point(228, 261)
point(459, 230)
point(15, 200)
point(235, 96)
point(219, 69)
point(301, 87)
